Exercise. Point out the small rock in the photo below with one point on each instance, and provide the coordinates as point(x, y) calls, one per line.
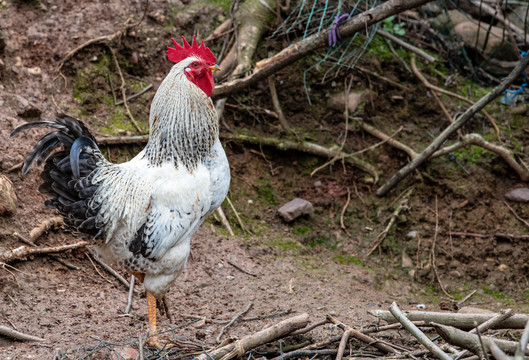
point(494, 45)
point(8, 198)
point(183, 19)
point(24, 107)
point(412, 234)
point(295, 208)
point(35, 71)
point(354, 100)
point(406, 261)
point(519, 195)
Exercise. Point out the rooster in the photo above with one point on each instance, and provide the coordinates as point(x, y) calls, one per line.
point(142, 213)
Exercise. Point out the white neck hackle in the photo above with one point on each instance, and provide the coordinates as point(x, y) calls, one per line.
point(183, 121)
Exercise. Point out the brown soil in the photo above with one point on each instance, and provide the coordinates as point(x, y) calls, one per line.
point(311, 265)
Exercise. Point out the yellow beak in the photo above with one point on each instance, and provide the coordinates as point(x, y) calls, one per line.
point(214, 67)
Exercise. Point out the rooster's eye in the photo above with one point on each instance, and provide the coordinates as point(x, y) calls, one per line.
point(195, 65)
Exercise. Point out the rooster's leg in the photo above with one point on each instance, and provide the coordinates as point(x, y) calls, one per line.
point(153, 338)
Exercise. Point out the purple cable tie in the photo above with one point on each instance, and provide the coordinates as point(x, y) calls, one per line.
point(334, 34)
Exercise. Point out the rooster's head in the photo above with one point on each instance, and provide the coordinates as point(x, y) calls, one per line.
point(203, 62)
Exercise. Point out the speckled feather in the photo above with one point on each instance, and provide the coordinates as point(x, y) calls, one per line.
point(147, 209)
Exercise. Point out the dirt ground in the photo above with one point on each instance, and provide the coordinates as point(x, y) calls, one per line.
point(311, 265)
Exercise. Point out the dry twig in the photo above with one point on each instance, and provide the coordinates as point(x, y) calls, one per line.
point(46, 225)
point(432, 252)
point(22, 252)
point(406, 45)
point(111, 271)
point(264, 336)
point(402, 205)
point(277, 106)
point(239, 315)
point(419, 335)
point(362, 337)
point(224, 220)
point(518, 217)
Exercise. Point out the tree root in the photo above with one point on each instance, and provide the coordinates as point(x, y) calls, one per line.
point(306, 147)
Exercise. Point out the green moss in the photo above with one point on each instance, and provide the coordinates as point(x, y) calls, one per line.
point(286, 245)
point(266, 192)
point(493, 293)
point(119, 122)
point(473, 155)
point(301, 229)
point(347, 259)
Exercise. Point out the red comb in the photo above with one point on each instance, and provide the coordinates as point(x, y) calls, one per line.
point(179, 53)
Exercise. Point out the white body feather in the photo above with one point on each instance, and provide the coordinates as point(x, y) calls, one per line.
point(169, 188)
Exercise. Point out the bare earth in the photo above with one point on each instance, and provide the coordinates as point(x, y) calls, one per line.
point(309, 266)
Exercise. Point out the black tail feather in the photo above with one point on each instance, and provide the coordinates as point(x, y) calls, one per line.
point(67, 173)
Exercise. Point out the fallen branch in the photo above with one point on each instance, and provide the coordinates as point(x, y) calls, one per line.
point(22, 252)
point(51, 223)
point(239, 347)
point(17, 335)
point(418, 334)
point(463, 119)
point(460, 321)
point(471, 342)
point(360, 336)
point(487, 325)
point(302, 48)
point(306, 147)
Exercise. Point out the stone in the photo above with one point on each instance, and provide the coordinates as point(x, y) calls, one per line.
point(406, 261)
point(8, 198)
point(295, 208)
point(23, 107)
point(518, 195)
point(354, 100)
point(475, 36)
